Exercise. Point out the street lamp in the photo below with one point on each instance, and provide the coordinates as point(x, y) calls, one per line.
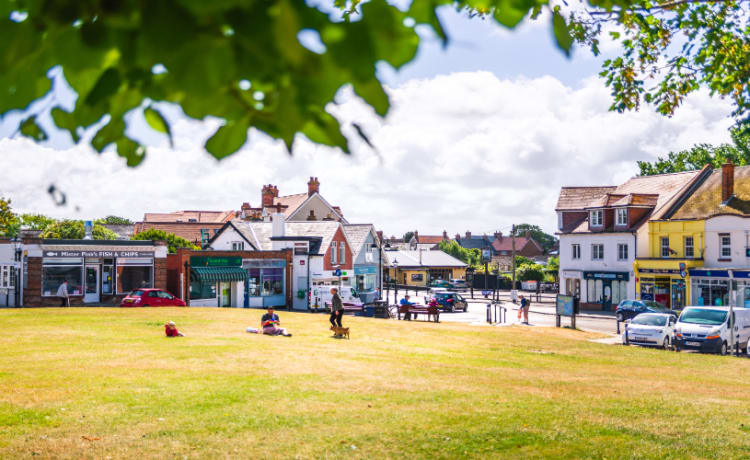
point(380, 266)
point(394, 264)
point(16, 241)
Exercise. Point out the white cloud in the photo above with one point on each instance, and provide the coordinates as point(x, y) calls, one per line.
point(458, 152)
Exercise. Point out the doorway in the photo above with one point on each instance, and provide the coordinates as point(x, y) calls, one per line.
point(91, 294)
point(607, 296)
point(300, 302)
point(225, 296)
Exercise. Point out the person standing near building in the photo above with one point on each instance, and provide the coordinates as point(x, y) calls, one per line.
point(337, 308)
point(62, 293)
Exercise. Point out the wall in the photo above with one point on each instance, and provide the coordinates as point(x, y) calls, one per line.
point(317, 205)
point(739, 232)
point(339, 238)
point(676, 230)
point(224, 240)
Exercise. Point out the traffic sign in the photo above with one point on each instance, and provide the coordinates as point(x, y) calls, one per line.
point(337, 272)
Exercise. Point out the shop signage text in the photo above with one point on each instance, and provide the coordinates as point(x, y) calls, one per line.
point(365, 270)
point(659, 270)
point(572, 273)
point(216, 261)
point(607, 276)
point(98, 254)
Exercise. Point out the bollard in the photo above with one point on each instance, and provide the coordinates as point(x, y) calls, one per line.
point(489, 313)
point(618, 326)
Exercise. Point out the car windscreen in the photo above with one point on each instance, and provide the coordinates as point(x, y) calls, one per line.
point(650, 320)
point(136, 293)
point(443, 295)
point(703, 316)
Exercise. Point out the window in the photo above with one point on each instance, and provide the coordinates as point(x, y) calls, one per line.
point(132, 277)
point(597, 251)
point(664, 246)
point(597, 218)
point(417, 277)
point(238, 245)
point(559, 221)
point(576, 251)
point(342, 257)
point(622, 252)
point(205, 235)
point(200, 290)
point(622, 216)
point(333, 252)
point(725, 242)
point(689, 251)
point(107, 273)
point(265, 281)
point(53, 277)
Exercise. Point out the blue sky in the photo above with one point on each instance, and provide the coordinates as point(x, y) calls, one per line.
point(481, 135)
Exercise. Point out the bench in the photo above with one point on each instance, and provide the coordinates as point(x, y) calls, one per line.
point(415, 310)
point(348, 307)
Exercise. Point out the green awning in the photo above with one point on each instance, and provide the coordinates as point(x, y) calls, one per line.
point(217, 274)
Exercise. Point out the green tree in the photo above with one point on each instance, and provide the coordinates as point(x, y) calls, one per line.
point(545, 240)
point(738, 152)
point(521, 260)
point(174, 242)
point(74, 230)
point(530, 272)
point(407, 236)
point(243, 61)
point(9, 224)
point(471, 257)
point(114, 220)
point(36, 221)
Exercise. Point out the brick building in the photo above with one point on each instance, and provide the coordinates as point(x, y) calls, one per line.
point(526, 246)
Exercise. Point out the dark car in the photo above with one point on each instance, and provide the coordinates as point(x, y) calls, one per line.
point(628, 309)
point(148, 297)
point(451, 301)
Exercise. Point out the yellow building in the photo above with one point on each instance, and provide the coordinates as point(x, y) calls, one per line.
point(420, 267)
point(675, 246)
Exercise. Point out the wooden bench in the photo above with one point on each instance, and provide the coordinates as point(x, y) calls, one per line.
point(431, 313)
point(348, 307)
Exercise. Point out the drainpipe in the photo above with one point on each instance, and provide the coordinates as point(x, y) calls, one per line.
point(635, 256)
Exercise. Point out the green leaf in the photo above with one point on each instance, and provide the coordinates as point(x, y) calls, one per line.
point(325, 129)
point(157, 122)
point(374, 94)
point(510, 13)
point(105, 87)
point(29, 128)
point(133, 152)
point(228, 139)
point(423, 12)
point(65, 120)
point(111, 132)
point(562, 33)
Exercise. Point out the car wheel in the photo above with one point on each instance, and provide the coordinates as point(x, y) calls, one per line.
point(665, 345)
point(723, 349)
point(620, 317)
point(452, 309)
point(146, 305)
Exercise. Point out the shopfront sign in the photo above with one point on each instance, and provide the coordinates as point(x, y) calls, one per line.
point(125, 254)
point(365, 270)
point(710, 273)
point(607, 276)
point(572, 274)
point(201, 261)
point(663, 271)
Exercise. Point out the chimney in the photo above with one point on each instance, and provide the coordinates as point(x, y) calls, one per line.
point(380, 236)
point(727, 181)
point(468, 234)
point(313, 186)
point(458, 237)
point(528, 234)
point(267, 196)
point(499, 236)
point(275, 191)
point(445, 235)
point(416, 235)
point(278, 225)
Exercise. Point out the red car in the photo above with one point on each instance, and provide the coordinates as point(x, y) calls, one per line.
point(149, 297)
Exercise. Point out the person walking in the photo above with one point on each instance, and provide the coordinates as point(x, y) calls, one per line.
point(62, 293)
point(524, 309)
point(337, 309)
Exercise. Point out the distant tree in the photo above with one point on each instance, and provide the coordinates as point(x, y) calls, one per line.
point(407, 236)
point(36, 221)
point(545, 240)
point(74, 230)
point(114, 220)
point(471, 257)
point(530, 272)
point(8, 220)
point(521, 260)
point(174, 242)
point(738, 152)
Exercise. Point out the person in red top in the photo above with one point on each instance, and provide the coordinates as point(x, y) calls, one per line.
point(171, 330)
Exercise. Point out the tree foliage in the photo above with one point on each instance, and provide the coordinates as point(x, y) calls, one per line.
point(276, 65)
point(530, 272)
point(114, 220)
point(408, 236)
point(738, 152)
point(174, 242)
point(545, 240)
point(8, 220)
point(472, 257)
point(74, 230)
point(36, 221)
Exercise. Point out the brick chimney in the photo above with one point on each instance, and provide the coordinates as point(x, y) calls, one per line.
point(275, 191)
point(267, 196)
point(313, 186)
point(445, 235)
point(528, 234)
point(499, 236)
point(727, 181)
point(468, 234)
point(416, 235)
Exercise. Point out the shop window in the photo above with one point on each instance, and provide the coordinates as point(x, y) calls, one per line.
point(664, 246)
point(576, 251)
point(417, 277)
point(725, 242)
point(130, 277)
point(273, 281)
point(200, 290)
point(599, 292)
point(590, 291)
point(622, 216)
point(689, 249)
point(597, 252)
point(622, 252)
point(53, 277)
point(597, 218)
point(253, 282)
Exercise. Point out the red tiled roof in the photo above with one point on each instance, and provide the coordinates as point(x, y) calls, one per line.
point(580, 197)
point(429, 239)
point(292, 202)
point(191, 231)
point(187, 216)
point(506, 243)
point(706, 201)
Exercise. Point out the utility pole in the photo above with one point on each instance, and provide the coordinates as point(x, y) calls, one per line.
point(513, 252)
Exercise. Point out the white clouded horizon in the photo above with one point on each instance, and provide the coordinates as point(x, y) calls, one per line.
point(465, 151)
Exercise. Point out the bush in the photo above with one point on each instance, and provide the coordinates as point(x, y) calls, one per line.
point(174, 242)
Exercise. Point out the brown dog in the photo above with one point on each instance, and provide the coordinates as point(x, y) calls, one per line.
point(340, 331)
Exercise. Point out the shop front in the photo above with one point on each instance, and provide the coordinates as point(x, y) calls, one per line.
point(714, 287)
point(216, 281)
point(366, 280)
point(572, 279)
point(605, 290)
point(666, 281)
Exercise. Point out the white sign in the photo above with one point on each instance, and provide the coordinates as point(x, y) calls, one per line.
point(572, 274)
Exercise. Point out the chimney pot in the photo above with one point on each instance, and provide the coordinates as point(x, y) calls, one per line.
point(468, 234)
point(445, 235)
point(727, 181)
point(267, 196)
point(313, 186)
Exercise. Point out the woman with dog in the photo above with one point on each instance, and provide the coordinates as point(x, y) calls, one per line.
point(337, 309)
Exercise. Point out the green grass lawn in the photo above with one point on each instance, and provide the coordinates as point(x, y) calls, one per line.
point(99, 383)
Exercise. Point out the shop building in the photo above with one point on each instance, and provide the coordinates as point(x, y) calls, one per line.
point(421, 267)
point(231, 278)
point(11, 277)
point(98, 272)
point(367, 259)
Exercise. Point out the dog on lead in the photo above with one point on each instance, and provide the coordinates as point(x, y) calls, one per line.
point(340, 331)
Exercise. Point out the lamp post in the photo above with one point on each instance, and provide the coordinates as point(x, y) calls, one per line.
point(380, 266)
point(395, 280)
point(17, 257)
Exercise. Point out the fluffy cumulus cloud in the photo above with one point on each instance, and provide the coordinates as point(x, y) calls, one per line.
point(458, 152)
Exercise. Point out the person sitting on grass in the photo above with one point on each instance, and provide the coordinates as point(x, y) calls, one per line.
point(270, 324)
point(171, 330)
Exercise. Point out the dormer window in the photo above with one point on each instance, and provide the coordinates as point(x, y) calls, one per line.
point(622, 217)
point(596, 218)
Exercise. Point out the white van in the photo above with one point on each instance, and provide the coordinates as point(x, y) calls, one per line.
point(707, 329)
point(320, 298)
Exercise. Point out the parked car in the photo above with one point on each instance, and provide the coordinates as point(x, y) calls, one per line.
point(459, 285)
point(441, 284)
point(627, 309)
point(650, 329)
point(451, 301)
point(320, 296)
point(707, 329)
point(148, 297)
point(432, 292)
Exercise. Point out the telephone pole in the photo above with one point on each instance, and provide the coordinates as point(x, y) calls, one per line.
point(513, 242)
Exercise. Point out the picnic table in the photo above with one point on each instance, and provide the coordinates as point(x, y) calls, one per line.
point(430, 313)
